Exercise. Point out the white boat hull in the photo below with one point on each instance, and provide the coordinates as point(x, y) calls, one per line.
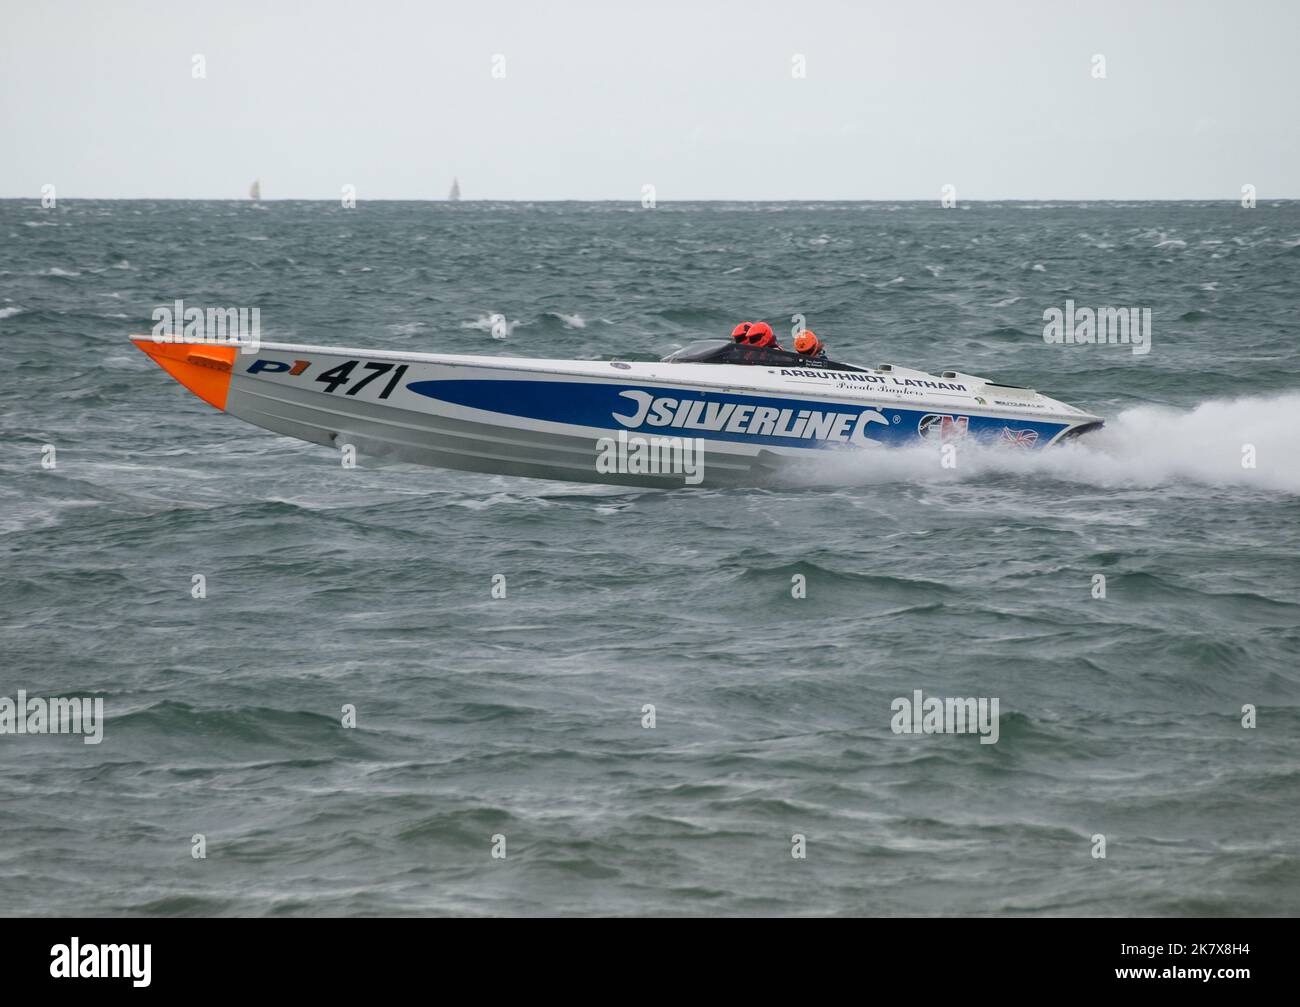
point(586, 421)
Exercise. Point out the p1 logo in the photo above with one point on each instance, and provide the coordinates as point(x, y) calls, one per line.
point(277, 366)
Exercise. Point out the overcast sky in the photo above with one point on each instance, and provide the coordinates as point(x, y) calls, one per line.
point(599, 98)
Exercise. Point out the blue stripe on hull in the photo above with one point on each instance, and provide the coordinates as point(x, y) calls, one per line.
point(750, 419)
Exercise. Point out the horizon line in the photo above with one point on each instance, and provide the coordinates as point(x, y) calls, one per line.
point(420, 199)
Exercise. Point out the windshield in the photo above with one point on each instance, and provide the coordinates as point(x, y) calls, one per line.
point(703, 349)
point(725, 351)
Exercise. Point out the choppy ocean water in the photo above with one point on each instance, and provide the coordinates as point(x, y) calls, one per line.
point(522, 716)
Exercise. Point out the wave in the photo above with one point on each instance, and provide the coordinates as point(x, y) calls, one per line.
point(494, 324)
point(1213, 443)
point(573, 321)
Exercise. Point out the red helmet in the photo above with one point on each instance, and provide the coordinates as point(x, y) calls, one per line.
point(738, 333)
point(760, 334)
point(807, 343)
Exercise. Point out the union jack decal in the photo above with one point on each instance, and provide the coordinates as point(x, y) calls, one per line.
point(1020, 438)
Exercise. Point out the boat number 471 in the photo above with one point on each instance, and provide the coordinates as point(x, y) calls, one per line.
point(339, 375)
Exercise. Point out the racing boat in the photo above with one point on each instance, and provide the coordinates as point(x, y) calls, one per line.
point(714, 412)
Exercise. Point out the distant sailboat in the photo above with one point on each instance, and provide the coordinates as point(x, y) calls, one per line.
point(255, 190)
point(454, 195)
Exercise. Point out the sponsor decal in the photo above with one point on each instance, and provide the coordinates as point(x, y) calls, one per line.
point(277, 366)
point(879, 379)
point(1017, 404)
point(747, 418)
point(714, 415)
point(943, 427)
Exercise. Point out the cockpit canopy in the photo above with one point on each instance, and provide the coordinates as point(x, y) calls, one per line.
point(726, 351)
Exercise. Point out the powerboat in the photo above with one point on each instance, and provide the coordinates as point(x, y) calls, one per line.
point(715, 412)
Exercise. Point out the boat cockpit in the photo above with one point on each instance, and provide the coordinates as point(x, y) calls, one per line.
point(725, 351)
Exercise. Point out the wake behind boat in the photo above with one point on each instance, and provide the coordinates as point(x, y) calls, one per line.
point(751, 412)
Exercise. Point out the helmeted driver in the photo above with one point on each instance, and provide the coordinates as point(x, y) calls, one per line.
point(806, 344)
point(760, 335)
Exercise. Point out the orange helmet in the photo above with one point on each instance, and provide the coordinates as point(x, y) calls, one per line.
point(760, 334)
point(807, 343)
point(739, 332)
